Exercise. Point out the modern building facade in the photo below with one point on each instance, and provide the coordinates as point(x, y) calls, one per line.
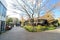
point(2, 15)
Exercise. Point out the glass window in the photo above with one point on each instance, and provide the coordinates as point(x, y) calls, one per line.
point(4, 14)
point(2, 11)
point(0, 8)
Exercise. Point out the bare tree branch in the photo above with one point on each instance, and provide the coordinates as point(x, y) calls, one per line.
point(52, 8)
point(40, 9)
point(27, 5)
point(24, 9)
point(35, 7)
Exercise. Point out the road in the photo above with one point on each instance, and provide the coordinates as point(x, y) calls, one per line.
point(18, 33)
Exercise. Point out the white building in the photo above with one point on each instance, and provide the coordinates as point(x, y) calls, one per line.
point(2, 15)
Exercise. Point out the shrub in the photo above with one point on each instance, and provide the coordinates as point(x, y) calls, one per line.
point(29, 28)
point(39, 28)
point(35, 28)
point(51, 27)
point(44, 28)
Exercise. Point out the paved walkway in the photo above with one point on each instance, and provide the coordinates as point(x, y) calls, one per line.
point(18, 33)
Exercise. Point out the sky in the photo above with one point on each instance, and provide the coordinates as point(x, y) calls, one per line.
point(9, 10)
point(11, 14)
point(57, 10)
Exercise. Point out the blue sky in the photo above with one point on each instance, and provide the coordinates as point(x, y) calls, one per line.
point(56, 11)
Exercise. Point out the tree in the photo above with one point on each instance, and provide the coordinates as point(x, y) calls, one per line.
point(8, 20)
point(48, 16)
point(32, 7)
point(59, 20)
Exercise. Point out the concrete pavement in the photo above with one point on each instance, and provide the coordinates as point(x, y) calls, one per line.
point(18, 33)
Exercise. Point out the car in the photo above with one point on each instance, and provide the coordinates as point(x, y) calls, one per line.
point(8, 27)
